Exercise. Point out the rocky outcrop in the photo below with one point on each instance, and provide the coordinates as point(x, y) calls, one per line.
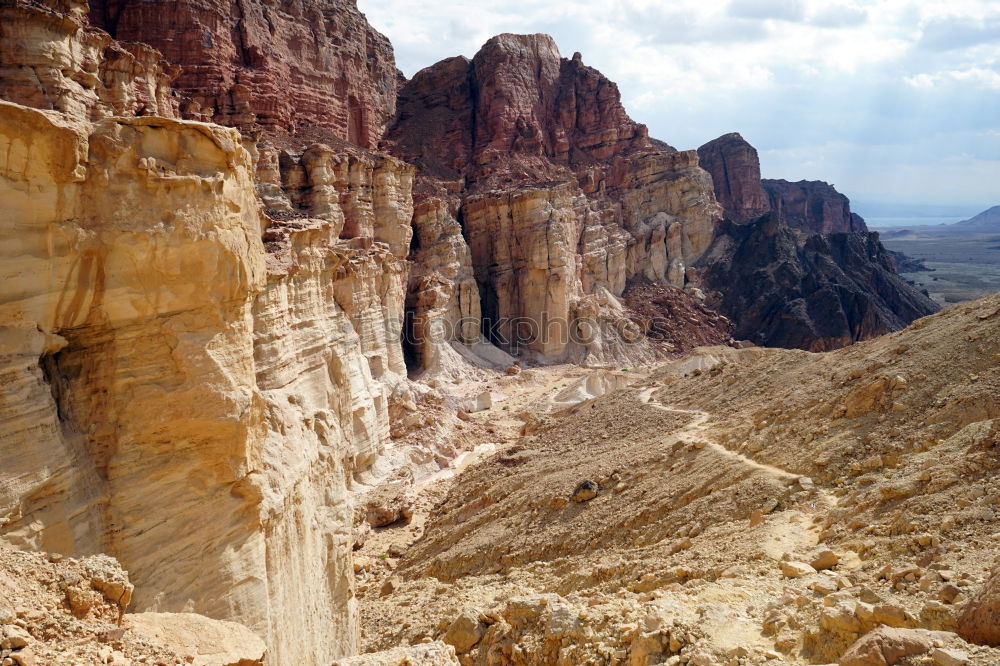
point(815, 292)
point(361, 193)
point(735, 169)
point(260, 64)
point(562, 197)
point(813, 206)
point(806, 275)
point(50, 59)
point(443, 298)
point(516, 113)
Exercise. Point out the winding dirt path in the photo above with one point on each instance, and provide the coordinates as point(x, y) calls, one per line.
point(794, 530)
point(697, 428)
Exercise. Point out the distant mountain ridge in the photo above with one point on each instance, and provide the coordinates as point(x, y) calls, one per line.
point(986, 222)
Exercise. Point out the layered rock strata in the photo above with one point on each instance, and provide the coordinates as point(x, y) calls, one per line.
point(814, 206)
point(275, 66)
point(50, 59)
point(158, 353)
point(561, 196)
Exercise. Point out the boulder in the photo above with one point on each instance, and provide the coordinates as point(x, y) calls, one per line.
point(886, 646)
point(586, 491)
point(464, 632)
point(949, 657)
point(979, 621)
point(794, 569)
point(204, 641)
point(480, 403)
point(824, 559)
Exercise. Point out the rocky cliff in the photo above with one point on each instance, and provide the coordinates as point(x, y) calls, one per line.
point(817, 292)
point(197, 384)
point(814, 206)
point(562, 197)
point(51, 59)
point(792, 265)
point(166, 361)
point(735, 169)
point(276, 66)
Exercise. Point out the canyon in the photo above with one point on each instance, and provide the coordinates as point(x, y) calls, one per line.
point(291, 339)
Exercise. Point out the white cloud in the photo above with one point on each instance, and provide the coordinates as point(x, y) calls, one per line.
point(973, 76)
point(785, 10)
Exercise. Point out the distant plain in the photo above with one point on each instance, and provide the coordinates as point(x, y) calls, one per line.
point(962, 269)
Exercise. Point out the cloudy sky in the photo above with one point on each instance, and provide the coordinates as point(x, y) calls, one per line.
point(896, 102)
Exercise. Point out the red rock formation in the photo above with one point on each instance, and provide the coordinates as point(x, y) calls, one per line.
point(562, 196)
point(50, 59)
point(276, 65)
point(735, 170)
point(812, 205)
point(515, 114)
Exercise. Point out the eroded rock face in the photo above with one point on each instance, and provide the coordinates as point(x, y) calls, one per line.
point(516, 113)
point(815, 292)
point(561, 196)
point(164, 356)
point(813, 206)
point(735, 170)
point(274, 65)
point(50, 59)
point(443, 303)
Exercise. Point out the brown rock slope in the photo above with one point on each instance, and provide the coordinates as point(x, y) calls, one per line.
point(751, 504)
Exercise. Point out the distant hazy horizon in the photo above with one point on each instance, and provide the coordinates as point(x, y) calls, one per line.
point(879, 214)
point(889, 100)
